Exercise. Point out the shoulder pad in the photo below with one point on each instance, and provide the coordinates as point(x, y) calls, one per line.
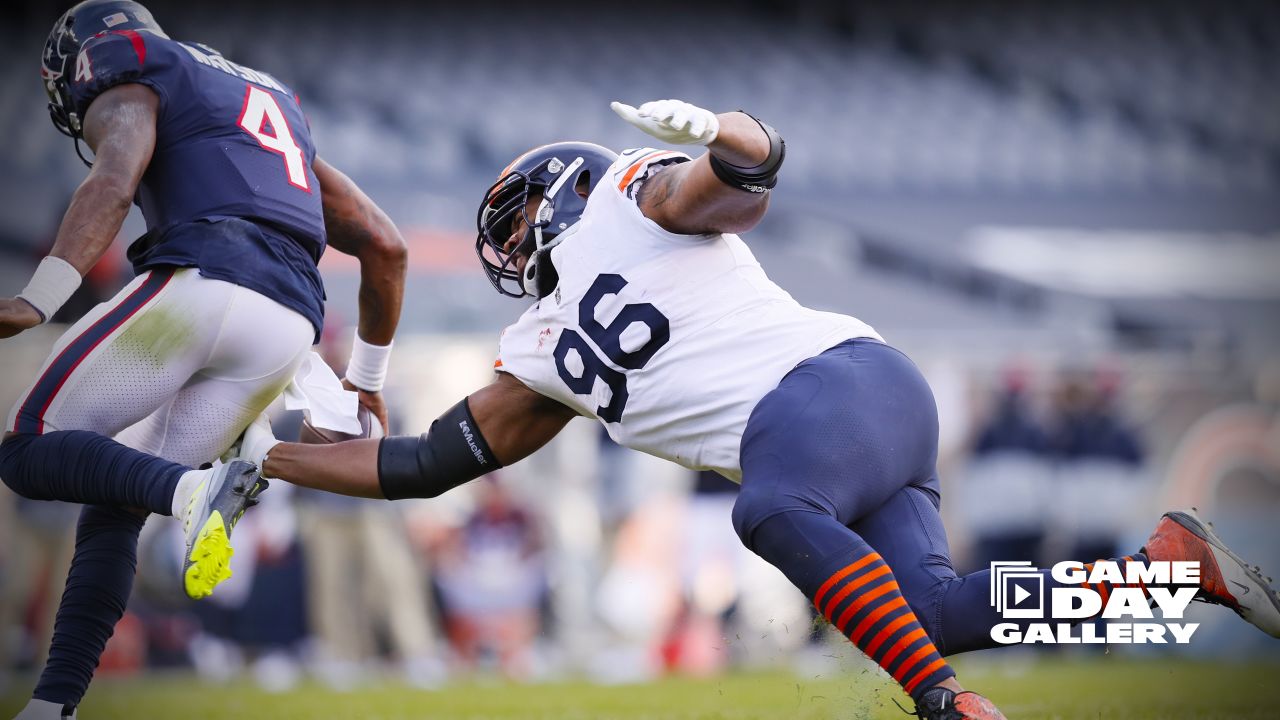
point(106, 60)
point(632, 165)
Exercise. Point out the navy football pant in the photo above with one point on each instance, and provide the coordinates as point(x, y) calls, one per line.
point(840, 492)
point(176, 365)
point(118, 485)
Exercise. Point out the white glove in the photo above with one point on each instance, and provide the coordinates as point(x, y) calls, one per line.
point(255, 443)
point(673, 121)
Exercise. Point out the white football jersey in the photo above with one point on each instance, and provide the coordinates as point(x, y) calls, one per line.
point(668, 340)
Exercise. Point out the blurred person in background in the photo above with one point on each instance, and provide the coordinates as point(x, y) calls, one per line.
point(653, 317)
point(1099, 460)
point(37, 547)
point(361, 577)
point(492, 582)
point(1011, 462)
point(227, 302)
point(256, 621)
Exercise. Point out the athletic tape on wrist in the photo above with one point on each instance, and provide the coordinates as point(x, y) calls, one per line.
point(51, 286)
point(367, 369)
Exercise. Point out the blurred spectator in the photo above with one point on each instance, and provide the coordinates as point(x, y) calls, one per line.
point(256, 621)
point(492, 581)
point(1009, 464)
point(1099, 464)
point(711, 554)
point(361, 575)
point(39, 538)
point(1088, 424)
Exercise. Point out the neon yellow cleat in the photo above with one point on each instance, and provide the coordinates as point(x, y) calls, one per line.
point(212, 514)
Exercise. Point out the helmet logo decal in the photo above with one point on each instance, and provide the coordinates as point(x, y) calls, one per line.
point(84, 71)
point(115, 19)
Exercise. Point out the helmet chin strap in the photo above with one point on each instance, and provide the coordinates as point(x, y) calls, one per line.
point(542, 248)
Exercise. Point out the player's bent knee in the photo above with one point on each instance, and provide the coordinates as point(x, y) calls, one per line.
point(449, 454)
point(750, 510)
point(15, 469)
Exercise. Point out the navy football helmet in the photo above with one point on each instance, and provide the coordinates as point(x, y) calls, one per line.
point(57, 65)
point(563, 173)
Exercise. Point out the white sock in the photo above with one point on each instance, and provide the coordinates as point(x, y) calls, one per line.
point(187, 485)
point(40, 710)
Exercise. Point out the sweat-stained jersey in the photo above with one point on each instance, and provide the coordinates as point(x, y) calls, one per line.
point(669, 340)
point(230, 188)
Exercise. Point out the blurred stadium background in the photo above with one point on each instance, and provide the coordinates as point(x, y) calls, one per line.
point(1067, 212)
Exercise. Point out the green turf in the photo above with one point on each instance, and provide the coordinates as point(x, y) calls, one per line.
point(1099, 687)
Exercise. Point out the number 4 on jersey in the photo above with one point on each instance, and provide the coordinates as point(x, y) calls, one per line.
point(263, 119)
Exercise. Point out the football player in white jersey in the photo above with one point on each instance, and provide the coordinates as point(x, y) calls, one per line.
point(652, 317)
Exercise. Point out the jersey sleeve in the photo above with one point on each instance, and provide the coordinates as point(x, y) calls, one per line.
point(632, 167)
point(526, 352)
point(113, 58)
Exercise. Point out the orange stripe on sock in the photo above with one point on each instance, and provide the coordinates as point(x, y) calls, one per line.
point(862, 601)
point(1141, 585)
point(839, 597)
point(1087, 569)
point(888, 632)
point(903, 643)
point(842, 574)
point(861, 628)
point(915, 658)
point(925, 672)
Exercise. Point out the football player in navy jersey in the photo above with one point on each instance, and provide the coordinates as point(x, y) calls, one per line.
point(227, 302)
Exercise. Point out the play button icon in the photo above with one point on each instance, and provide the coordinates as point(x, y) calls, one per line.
point(1019, 594)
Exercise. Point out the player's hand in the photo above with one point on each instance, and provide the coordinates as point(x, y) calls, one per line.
point(16, 315)
point(373, 401)
point(673, 121)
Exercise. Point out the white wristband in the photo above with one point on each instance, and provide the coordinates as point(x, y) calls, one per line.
point(368, 367)
point(51, 286)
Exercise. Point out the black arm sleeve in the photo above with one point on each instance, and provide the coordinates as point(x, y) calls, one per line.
point(756, 179)
point(449, 454)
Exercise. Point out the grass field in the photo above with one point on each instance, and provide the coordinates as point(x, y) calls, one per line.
point(1101, 687)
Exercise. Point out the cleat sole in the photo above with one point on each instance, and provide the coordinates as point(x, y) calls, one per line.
point(210, 559)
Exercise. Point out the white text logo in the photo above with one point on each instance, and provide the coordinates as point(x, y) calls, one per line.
point(1108, 589)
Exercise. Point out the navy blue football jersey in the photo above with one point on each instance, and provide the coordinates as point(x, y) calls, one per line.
point(230, 188)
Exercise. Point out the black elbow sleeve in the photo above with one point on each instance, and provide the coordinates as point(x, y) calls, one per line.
point(449, 454)
point(756, 179)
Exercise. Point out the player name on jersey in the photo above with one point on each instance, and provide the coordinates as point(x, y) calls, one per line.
point(217, 61)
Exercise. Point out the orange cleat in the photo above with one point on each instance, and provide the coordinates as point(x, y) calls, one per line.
point(1225, 579)
point(940, 703)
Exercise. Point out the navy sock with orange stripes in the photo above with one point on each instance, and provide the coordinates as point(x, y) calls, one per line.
point(853, 587)
point(85, 467)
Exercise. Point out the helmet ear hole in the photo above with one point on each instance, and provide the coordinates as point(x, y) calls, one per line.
point(583, 184)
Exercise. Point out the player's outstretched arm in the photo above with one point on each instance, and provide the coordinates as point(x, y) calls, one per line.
point(724, 190)
point(500, 424)
point(120, 127)
point(356, 226)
